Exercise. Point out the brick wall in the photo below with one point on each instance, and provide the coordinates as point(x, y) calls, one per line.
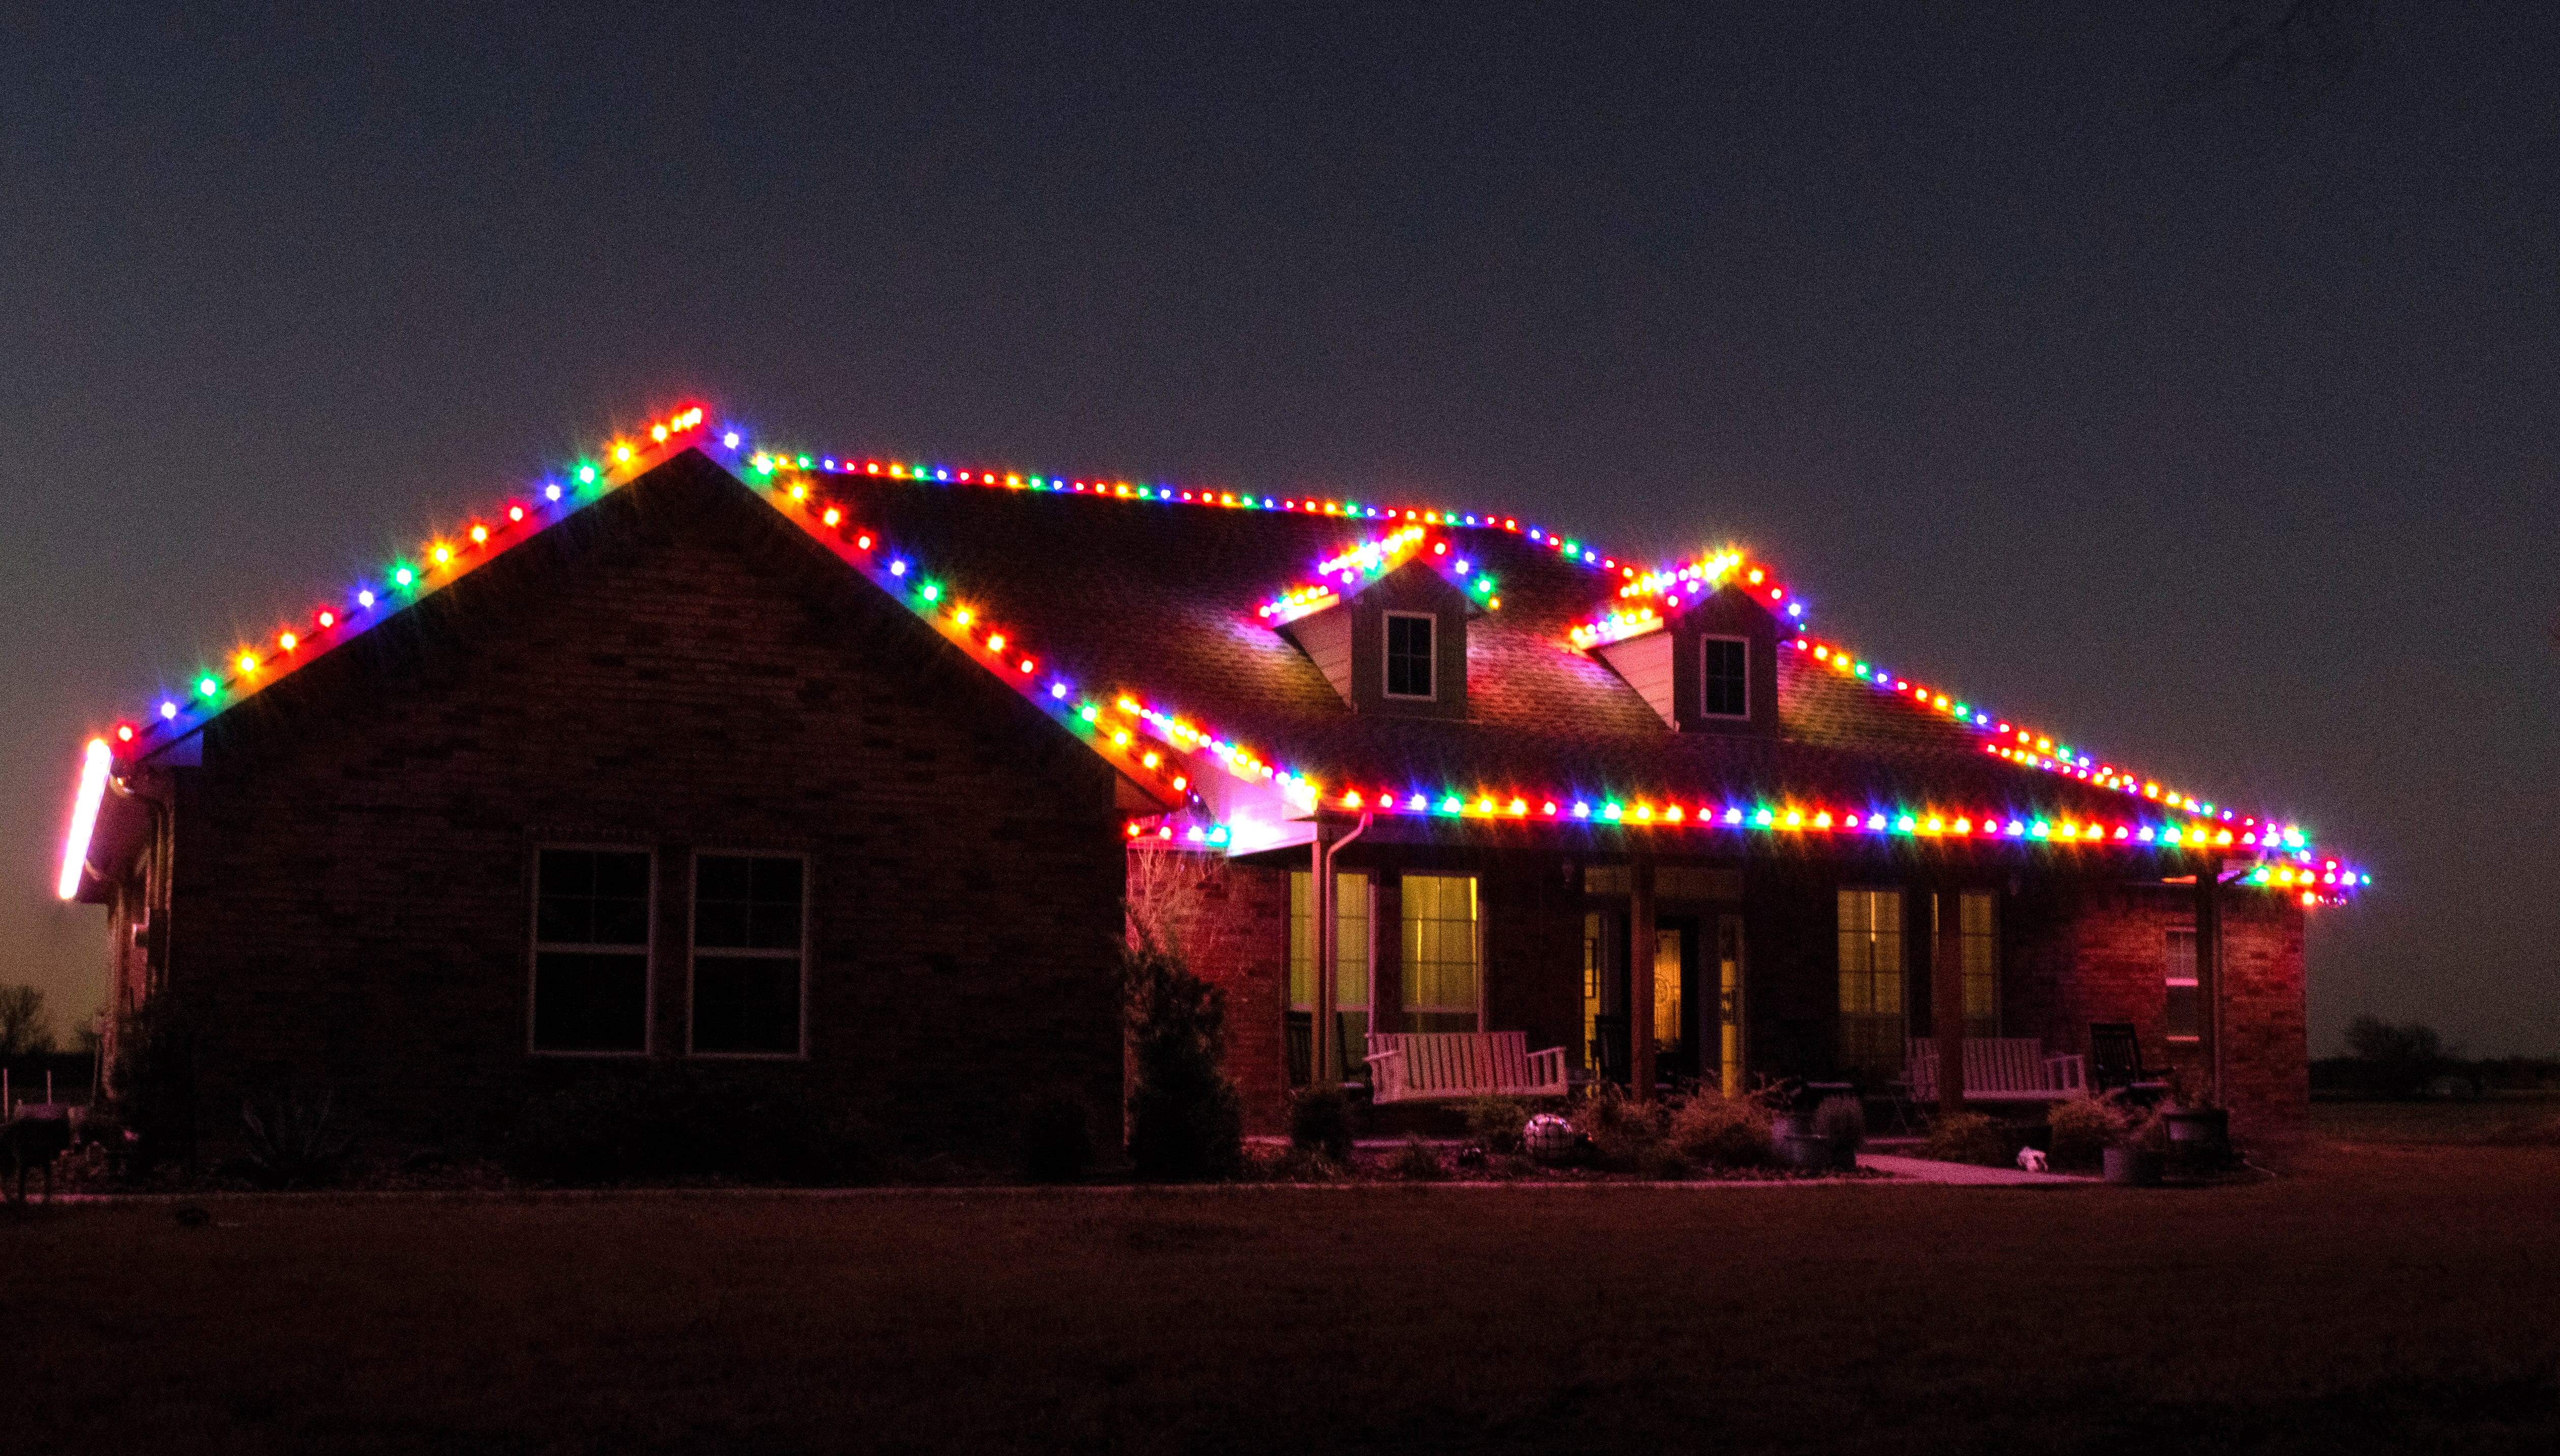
point(1231, 922)
point(674, 669)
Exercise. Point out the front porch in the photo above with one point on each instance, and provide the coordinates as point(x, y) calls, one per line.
point(1659, 974)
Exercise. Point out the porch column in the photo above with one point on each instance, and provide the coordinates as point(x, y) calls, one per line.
point(1639, 981)
point(1320, 1037)
point(2209, 963)
point(1947, 998)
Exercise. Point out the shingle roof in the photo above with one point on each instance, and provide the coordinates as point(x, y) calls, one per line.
point(1130, 596)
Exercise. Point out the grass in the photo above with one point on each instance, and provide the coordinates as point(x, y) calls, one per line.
point(2498, 1118)
point(2375, 1298)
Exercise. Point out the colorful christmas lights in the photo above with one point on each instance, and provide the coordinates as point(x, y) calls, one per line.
point(1139, 737)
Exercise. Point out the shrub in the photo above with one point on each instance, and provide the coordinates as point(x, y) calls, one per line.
point(1496, 1122)
point(1622, 1131)
point(1966, 1137)
point(1184, 1117)
point(155, 1078)
point(1722, 1131)
point(2083, 1127)
point(1417, 1162)
point(681, 1125)
point(1057, 1136)
point(290, 1141)
point(1842, 1122)
point(1320, 1121)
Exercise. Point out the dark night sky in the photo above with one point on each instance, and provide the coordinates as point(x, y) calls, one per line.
point(2210, 422)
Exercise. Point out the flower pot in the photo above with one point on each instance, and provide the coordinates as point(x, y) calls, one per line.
point(1812, 1153)
point(2200, 1129)
point(2134, 1167)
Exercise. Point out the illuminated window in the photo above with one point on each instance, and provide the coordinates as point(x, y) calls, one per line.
point(2185, 1018)
point(1727, 676)
point(748, 930)
point(1871, 981)
point(1978, 949)
point(591, 952)
point(1351, 962)
point(1408, 655)
point(1441, 969)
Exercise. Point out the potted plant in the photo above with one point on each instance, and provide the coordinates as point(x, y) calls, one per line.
point(1840, 1124)
point(2198, 1126)
point(2139, 1153)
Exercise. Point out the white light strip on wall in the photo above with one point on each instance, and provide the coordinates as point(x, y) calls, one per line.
point(93, 788)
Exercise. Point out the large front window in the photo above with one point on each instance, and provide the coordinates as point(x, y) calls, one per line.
point(1442, 969)
point(1351, 965)
point(747, 926)
point(1871, 981)
point(591, 952)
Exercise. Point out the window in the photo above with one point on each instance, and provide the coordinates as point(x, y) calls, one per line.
point(747, 926)
point(1408, 655)
point(591, 952)
point(2184, 1021)
point(1351, 962)
point(1871, 981)
point(1440, 953)
point(1727, 676)
point(1977, 963)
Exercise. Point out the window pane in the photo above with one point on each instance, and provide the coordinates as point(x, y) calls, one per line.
point(1439, 941)
point(2184, 1015)
point(1728, 677)
point(1871, 981)
point(746, 903)
point(1981, 949)
point(1408, 656)
point(588, 1002)
point(592, 898)
point(743, 1004)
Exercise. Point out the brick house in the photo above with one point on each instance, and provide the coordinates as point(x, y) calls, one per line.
point(835, 772)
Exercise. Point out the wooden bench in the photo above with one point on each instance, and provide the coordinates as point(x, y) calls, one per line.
point(1413, 1067)
point(1999, 1069)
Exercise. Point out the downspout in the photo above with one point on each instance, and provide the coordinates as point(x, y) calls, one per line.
point(1327, 956)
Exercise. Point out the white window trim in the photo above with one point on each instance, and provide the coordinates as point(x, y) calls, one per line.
point(1368, 882)
point(1385, 641)
point(1702, 709)
point(693, 953)
point(649, 952)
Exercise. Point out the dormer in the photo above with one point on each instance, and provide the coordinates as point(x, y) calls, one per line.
point(1712, 668)
point(1396, 645)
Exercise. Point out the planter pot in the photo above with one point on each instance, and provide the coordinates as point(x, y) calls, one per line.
point(2200, 1129)
point(2134, 1167)
point(1810, 1153)
point(1844, 1157)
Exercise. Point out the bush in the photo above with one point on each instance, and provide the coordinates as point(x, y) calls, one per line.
point(681, 1125)
point(155, 1082)
point(1842, 1122)
point(1496, 1122)
point(1057, 1136)
point(290, 1141)
point(2082, 1129)
point(1722, 1131)
point(1320, 1121)
point(1968, 1137)
point(1417, 1162)
point(1185, 1120)
point(1624, 1133)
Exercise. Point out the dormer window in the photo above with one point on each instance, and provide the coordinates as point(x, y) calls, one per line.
point(1725, 676)
point(1409, 655)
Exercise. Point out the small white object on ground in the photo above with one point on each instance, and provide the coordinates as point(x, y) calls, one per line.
point(2030, 1160)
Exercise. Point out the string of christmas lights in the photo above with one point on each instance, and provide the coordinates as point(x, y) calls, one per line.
point(1140, 739)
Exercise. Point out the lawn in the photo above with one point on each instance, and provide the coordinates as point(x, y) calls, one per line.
point(2374, 1298)
point(2500, 1117)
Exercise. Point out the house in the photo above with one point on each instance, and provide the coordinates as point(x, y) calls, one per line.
point(834, 771)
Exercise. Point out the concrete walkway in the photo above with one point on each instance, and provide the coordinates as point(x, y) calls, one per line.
point(1929, 1170)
